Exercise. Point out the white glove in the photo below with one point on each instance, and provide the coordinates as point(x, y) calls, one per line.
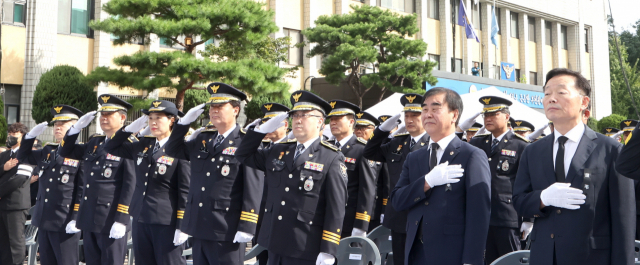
point(466, 124)
point(195, 134)
point(37, 130)
point(84, 121)
point(401, 129)
point(481, 131)
point(256, 122)
point(192, 115)
point(242, 237)
point(291, 136)
point(381, 218)
point(444, 174)
point(272, 124)
point(358, 232)
point(71, 227)
point(179, 238)
point(562, 195)
point(525, 229)
point(117, 230)
point(146, 131)
point(534, 135)
point(137, 125)
point(390, 123)
point(325, 259)
point(615, 136)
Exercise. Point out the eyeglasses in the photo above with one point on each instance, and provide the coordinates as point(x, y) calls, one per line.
point(304, 116)
point(491, 114)
point(363, 128)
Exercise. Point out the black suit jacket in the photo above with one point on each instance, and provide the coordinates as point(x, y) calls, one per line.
point(600, 232)
point(454, 221)
point(14, 193)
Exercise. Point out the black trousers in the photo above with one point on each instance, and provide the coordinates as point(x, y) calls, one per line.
point(275, 259)
point(637, 227)
point(99, 249)
point(398, 241)
point(500, 241)
point(12, 241)
point(58, 248)
point(153, 244)
point(208, 252)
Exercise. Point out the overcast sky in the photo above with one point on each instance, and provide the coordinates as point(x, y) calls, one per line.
point(625, 13)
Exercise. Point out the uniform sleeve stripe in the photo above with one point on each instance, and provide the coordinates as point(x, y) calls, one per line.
point(249, 217)
point(331, 240)
point(125, 212)
point(385, 201)
point(327, 233)
point(249, 220)
point(364, 217)
point(123, 206)
point(332, 237)
point(249, 214)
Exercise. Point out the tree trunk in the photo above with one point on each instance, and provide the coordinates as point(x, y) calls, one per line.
point(180, 99)
point(383, 90)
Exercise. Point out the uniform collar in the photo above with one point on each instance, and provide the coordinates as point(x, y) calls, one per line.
point(499, 137)
point(163, 141)
point(229, 131)
point(417, 138)
point(345, 140)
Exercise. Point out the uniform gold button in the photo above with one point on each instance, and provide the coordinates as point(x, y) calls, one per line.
point(489, 158)
point(108, 204)
point(290, 175)
point(50, 179)
point(54, 170)
point(286, 189)
point(145, 183)
point(416, 222)
point(146, 174)
point(149, 166)
point(213, 160)
point(47, 189)
point(202, 188)
point(97, 162)
point(198, 156)
point(46, 200)
point(143, 193)
point(200, 204)
point(310, 222)
point(279, 217)
point(208, 174)
point(265, 210)
point(85, 198)
point(552, 236)
point(227, 209)
point(282, 203)
point(87, 186)
point(426, 203)
point(91, 173)
point(558, 211)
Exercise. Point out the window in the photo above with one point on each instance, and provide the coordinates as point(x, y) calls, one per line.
point(435, 58)
point(209, 41)
point(514, 25)
point(586, 40)
point(393, 4)
point(434, 9)
point(532, 29)
point(499, 18)
point(563, 37)
point(13, 114)
point(475, 17)
point(533, 78)
point(295, 53)
point(74, 16)
point(547, 33)
point(517, 75)
point(457, 65)
point(15, 12)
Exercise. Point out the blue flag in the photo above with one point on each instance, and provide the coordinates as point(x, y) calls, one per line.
point(494, 27)
point(463, 20)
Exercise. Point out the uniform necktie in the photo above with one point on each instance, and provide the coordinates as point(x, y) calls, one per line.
point(299, 150)
point(219, 140)
point(433, 159)
point(338, 144)
point(560, 159)
point(413, 142)
point(156, 148)
point(494, 145)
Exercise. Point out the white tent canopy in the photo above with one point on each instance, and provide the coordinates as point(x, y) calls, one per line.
point(519, 111)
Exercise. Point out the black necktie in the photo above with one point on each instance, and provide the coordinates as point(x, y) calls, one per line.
point(299, 150)
point(219, 140)
point(156, 147)
point(494, 144)
point(560, 159)
point(338, 144)
point(433, 159)
point(413, 142)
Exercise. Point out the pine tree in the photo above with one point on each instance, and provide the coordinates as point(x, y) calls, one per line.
point(63, 84)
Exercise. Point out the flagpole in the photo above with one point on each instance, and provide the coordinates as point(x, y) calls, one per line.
point(453, 23)
point(495, 54)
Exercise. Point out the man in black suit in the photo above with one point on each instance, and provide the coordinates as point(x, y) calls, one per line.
point(14, 200)
point(448, 199)
point(583, 209)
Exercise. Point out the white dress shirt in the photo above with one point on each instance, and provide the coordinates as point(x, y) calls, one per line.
point(225, 134)
point(344, 141)
point(570, 146)
point(499, 137)
point(417, 138)
point(306, 144)
point(443, 143)
point(162, 142)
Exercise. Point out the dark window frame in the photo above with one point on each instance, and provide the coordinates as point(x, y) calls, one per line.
point(533, 78)
point(532, 33)
point(436, 58)
point(431, 6)
point(68, 31)
point(6, 112)
point(515, 31)
point(10, 6)
point(548, 33)
point(287, 33)
point(564, 32)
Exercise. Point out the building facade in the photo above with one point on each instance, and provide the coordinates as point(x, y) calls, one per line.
point(534, 37)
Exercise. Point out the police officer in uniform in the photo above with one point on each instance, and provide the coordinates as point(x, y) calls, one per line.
point(363, 173)
point(627, 127)
point(503, 149)
point(224, 196)
point(610, 131)
point(365, 124)
point(60, 191)
point(109, 182)
point(471, 132)
point(307, 184)
point(162, 185)
point(394, 153)
point(523, 128)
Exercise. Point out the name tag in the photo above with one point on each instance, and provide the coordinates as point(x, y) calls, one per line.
point(313, 166)
point(113, 158)
point(229, 151)
point(355, 256)
point(349, 160)
point(70, 162)
point(508, 152)
point(165, 160)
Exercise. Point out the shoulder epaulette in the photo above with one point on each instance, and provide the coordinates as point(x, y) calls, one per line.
point(149, 136)
point(97, 135)
point(52, 143)
point(242, 131)
point(522, 138)
point(290, 141)
point(481, 135)
point(132, 138)
point(266, 141)
point(401, 134)
point(328, 145)
point(209, 130)
point(363, 141)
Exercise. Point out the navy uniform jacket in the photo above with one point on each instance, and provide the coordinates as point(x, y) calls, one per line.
point(393, 153)
point(602, 230)
point(162, 181)
point(60, 182)
point(361, 186)
point(503, 162)
point(305, 203)
point(14, 189)
point(454, 222)
point(224, 195)
point(109, 182)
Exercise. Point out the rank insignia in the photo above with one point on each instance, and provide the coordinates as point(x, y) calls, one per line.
point(308, 184)
point(112, 157)
point(399, 148)
point(229, 151)
point(165, 160)
point(313, 166)
point(343, 170)
point(70, 162)
point(65, 178)
point(225, 170)
point(281, 154)
point(349, 160)
point(371, 163)
point(162, 169)
point(505, 165)
point(505, 152)
point(108, 172)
